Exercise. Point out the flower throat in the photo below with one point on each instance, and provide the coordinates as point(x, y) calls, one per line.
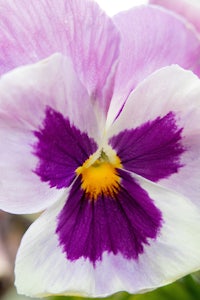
point(99, 176)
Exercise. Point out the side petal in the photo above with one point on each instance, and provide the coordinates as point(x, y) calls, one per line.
point(174, 90)
point(186, 8)
point(173, 254)
point(147, 46)
point(51, 83)
point(33, 30)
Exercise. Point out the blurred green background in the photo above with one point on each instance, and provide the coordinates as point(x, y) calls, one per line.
point(12, 227)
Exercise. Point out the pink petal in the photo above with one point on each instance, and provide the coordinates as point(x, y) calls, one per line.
point(25, 93)
point(190, 9)
point(151, 38)
point(30, 31)
point(170, 89)
point(93, 43)
point(34, 29)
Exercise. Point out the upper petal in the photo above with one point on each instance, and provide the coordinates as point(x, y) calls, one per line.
point(93, 43)
point(147, 46)
point(190, 9)
point(32, 30)
point(25, 94)
point(174, 90)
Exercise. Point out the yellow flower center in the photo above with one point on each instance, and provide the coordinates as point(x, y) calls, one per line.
point(100, 177)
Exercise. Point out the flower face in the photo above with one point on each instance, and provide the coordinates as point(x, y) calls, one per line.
point(121, 203)
point(111, 157)
point(100, 187)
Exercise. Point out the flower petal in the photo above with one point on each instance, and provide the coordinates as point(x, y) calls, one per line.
point(30, 31)
point(71, 277)
point(33, 30)
point(51, 82)
point(150, 46)
point(173, 254)
point(93, 43)
point(31, 89)
point(190, 9)
point(170, 89)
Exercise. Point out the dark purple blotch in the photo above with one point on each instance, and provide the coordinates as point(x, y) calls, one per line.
point(60, 148)
point(123, 224)
point(152, 150)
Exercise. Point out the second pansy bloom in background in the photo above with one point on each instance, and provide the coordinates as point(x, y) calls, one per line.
point(112, 157)
point(189, 9)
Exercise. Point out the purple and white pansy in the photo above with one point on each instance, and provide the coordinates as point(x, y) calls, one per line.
point(105, 137)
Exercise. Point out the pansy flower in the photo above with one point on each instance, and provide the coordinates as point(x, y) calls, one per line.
point(111, 157)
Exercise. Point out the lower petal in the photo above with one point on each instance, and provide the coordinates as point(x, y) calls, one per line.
point(173, 254)
point(41, 260)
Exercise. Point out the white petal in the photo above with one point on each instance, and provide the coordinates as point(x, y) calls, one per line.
point(170, 89)
point(40, 260)
point(24, 95)
point(175, 253)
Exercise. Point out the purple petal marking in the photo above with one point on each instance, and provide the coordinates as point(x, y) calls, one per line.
point(152, 150)
point(61, 148)
point(117, 225)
